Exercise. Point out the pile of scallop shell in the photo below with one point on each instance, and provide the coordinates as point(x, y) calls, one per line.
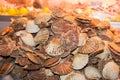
point(59, 46)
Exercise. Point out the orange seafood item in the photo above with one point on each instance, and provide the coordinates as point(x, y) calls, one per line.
point(7, 30)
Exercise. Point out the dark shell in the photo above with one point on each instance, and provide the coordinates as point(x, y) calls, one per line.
point(22, 61)
point(6, 68)
point(7, 47)
point(18, 72)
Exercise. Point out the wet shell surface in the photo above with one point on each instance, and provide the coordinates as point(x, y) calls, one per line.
point(31, 27)
point(62, 68)
point(42, 36)
point(92, 73)
point(80, 61)
point(26, 37)
point(76, 76)
point(111, 71)
point(54, 48)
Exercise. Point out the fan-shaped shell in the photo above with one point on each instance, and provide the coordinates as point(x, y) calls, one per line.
point(80, 61)
point(90, 46)
point(62, 68)
point(42, 36)
point(54, 48)
point(111, 71)
point(31, 27)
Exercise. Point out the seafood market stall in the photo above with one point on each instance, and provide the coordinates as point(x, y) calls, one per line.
point(59, 41)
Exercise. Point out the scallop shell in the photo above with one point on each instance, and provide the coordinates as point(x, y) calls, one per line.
point(70, 40)
point(60, 26)
point(115, 51)
point(111, 71)
point(42, 17)
point(80, 61)
point(31, 27)
point(42, 36)
point(7, 48)
point(5, 68)
point(27, 38)
point(62, 68)
point(52, 62)
point(22, 61)
point(34, 58)
point(58, 13)
point(53, 47)
point(82, 39)
point(76, 76)
point(90, 46)
point(92, 73)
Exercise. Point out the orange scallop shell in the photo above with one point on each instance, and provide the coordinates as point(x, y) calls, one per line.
point(62, 68)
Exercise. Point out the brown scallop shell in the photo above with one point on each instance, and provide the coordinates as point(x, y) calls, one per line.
point(90, 46)
point(62, 68)
point(60, 26)
point(34, 58)
point(70, 40)
point(7, 47)
point(70, 19)
point(58, 13)
point(54, 47)
point(52, 62)
point(5, 68)
point(42, 17)
point(115, 51)
point(42, 36)
point(18, 72)
point(106, 35)
point(22, 61)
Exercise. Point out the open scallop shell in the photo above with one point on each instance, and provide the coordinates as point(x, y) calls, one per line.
point(62, 68)
point(111, 71)
point(80, 61)
point(42, 36)
point(54, 48)
point(92, 73)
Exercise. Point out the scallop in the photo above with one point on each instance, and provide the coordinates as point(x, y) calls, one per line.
point(62, 68)
point(26, 37)
point(42, 17)
point(92, 73)
point(82, 39)
point(52, 62)
point(90, 46)
point(80, 61)
point(31, 27)
point(111, 71)
point(7, 48)
point(42, 36)
point(76, 76)
point(54, 48)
